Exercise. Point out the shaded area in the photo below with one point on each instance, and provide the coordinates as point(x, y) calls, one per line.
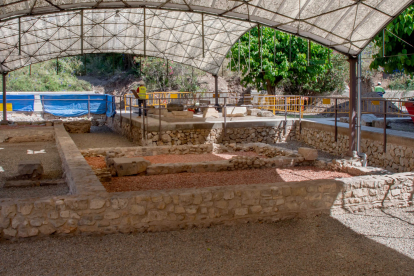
point(28, 192)
point(100, 137)
point(316, 246)
point(223, 178)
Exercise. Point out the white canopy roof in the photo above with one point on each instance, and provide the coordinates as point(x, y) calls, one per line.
point(194, 32)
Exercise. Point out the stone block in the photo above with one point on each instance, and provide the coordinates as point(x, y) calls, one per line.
point(235, 111)
point(253, 111)
point(308, 153)
point(30, 169)
point(82, 126)
point(130, 166)
point(183, 114)
point(265, 114)
point(210, 112)
point(175, 107)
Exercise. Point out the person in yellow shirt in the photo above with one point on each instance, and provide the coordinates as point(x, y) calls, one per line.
point(142, 98)
point(379, 90)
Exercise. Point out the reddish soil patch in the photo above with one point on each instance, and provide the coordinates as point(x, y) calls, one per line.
point(192, 158)
point(209, 179)
point(96, 162)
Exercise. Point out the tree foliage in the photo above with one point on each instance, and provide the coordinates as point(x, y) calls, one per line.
point(284, 61)
point(399, 56)
point(162, 76)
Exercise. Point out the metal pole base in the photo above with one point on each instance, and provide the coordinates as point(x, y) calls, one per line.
point(4, 122)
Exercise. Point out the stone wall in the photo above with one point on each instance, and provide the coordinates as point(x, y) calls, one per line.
point(103, 212)
point(201, 133)
point(398, 158)
point(78, 174)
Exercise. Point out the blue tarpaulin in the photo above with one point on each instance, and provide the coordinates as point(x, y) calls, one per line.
point(74, 105)
point(110, 106)
point(20, 102)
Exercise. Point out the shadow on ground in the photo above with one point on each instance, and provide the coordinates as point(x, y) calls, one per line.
point(317, 246)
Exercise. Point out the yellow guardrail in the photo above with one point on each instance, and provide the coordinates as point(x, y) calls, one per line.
point(156, 98)
point(291, 104)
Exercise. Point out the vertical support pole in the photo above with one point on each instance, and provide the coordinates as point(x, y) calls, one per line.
point(290, 48)
point(57, 66)
point(359, 110)
point(144, 136)
point(145, 33)
point(300, 116)
point(216, 90)
point(120, 111)
point(224, 111)
point(20, 38)
point(30, 70)
point(130, 115)
point(81, 31)
point(202, 33)
point(249, 51)
point(285, 114)
point(4, 121)
point(383, 42)
point(352, 104)
point(89, 106)
point(309, 50)
point(274, 48)
point(159, 119)
point(259, 35)
point(167, 78)
point(42, 102)
point(385, 125)
point(239, 55)
point(336, 121)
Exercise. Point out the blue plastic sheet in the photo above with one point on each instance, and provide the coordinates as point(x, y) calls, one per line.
point(110, 106)
point(74, 105)
point(20, 102)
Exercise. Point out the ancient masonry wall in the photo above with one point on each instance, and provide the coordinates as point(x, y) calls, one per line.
point(195, 134)
point(103, 212)
point(399, 156)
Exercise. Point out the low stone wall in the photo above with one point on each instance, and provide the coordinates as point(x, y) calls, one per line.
point(148, 151)
point(236, 163)
point(78, 174)
point(398, 158)
point(102, 212)
point(369, 192)
point(201, 133)
point(27, 134)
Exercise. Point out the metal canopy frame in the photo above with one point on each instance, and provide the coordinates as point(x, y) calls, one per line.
point(193, 32)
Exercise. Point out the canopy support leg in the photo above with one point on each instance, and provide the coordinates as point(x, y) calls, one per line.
point(359, 110)
point(352, 104)
point(4, 121)
point(216, 90)
point(249, 51)
point(202, 33)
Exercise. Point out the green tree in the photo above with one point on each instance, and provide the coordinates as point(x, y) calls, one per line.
point(398, 54)
point(284, 58)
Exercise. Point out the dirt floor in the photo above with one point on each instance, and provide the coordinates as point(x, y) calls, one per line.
point(12, 153)
point(375, 242)
point(209, 179)
point(100, 137)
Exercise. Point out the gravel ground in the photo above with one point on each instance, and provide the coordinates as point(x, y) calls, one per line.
point(100, 137)
point(42, 191)
point(294, 145)
point(209, 179)
point(338, 245)
point(12, 153)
